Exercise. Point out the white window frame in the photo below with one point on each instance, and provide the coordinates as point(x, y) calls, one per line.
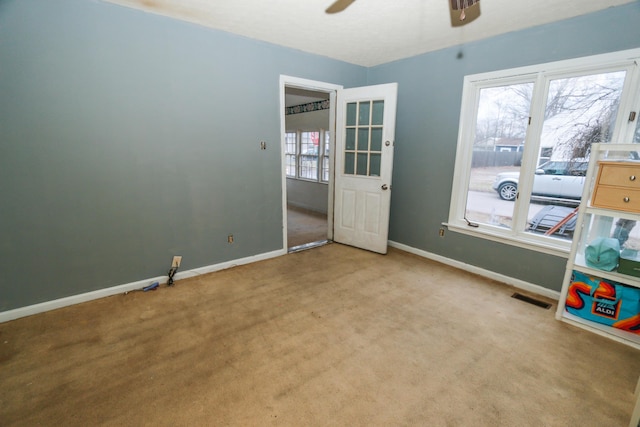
point(294, 154)
point(540, 75)
point(323, 133)
point(325, 163)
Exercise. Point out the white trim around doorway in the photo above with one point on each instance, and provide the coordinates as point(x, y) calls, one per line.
point(331, 89)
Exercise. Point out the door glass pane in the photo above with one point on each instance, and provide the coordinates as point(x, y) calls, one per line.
point(376, 139)
point(378, 113)
point(501, 127)
point(579, 111)
point(362, 164)
point(363, 139)
point(365, 109)
point(374, 166)
point(349, 163)
point(352, 108)
point(350, 140)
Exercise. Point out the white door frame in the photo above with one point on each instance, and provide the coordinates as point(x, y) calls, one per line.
point(296, 82)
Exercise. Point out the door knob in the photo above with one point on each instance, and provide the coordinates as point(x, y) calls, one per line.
point(385, 187)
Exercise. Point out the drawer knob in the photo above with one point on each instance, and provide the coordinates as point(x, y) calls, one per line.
point(632, 178)
point(626, 200)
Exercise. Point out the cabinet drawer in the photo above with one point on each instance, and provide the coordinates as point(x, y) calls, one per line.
point(624, 199)
point(619, 174)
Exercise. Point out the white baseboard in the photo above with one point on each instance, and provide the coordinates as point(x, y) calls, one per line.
point(120, 289)
point(101, 293)
point(520, 284)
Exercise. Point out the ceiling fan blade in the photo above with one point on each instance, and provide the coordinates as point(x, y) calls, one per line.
point(339, 6)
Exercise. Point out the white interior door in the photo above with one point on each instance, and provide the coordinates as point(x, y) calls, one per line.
point(365, 132)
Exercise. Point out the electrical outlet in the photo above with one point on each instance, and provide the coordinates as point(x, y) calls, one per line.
point(176, 261)
point(230, 238)
point(441, 232)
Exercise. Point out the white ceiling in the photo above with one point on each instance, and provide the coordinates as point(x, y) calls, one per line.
point(369, 32)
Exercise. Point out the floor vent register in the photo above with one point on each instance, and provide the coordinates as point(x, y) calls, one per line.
point(531, 300)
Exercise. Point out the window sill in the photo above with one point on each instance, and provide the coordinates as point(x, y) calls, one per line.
point(534, 243)
point(308, 180)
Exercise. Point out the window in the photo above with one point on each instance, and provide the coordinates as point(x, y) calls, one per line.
point(325, 157)
point(524, 141)
point(307, 155)
point(291, 153)
point(308, 159)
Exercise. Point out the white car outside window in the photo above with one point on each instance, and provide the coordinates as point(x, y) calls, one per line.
point(554, 179)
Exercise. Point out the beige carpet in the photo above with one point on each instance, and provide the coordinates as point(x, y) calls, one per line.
point(332, 336)
point(304, 226)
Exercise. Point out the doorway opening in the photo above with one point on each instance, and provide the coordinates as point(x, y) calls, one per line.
point(308, 123)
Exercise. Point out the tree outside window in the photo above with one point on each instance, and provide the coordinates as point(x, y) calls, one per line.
point(524, 145)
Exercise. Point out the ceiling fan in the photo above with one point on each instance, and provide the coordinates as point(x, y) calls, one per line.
point(461, 5)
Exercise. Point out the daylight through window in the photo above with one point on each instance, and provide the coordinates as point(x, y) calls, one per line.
point(307, 155)
point(524, 144)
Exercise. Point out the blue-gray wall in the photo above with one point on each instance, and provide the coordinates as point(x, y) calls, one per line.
point(429, 95)
point(127, 138)
point(308, 195)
